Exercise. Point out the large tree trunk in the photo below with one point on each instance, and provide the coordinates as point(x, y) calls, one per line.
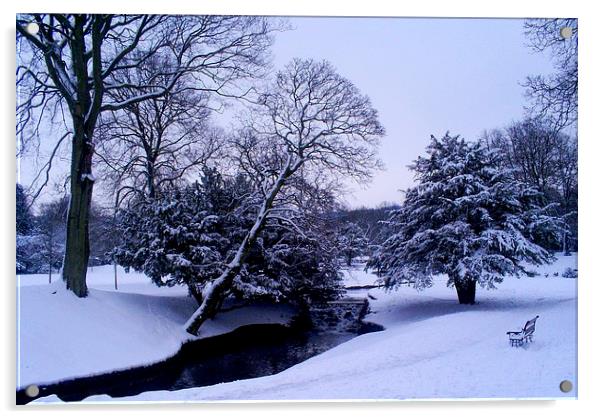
point(466, 290)
point(77, 249)
point(84, 111)
point(150, 179)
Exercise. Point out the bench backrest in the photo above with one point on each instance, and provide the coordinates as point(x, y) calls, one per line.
point(530, 326)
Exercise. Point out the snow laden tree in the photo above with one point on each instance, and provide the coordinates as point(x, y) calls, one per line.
point(310, 120)
point(73, 67)
point(287, 265)
point(466, 218)
point(28, 242)
point(185, 236)
point(24, 217)
point(352, 242)
point(295, 258)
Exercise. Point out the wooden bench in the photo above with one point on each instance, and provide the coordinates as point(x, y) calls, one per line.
point(523, 336)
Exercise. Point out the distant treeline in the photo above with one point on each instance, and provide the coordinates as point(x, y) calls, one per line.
point(371, 220)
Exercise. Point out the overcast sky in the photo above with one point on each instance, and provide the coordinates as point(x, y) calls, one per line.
point(424, 76)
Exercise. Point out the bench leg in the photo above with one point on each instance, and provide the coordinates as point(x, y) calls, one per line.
point(516, 342)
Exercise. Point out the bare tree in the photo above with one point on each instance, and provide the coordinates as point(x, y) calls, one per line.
point(566, 176)
point(74, 67)
point(555, 96)
point(566, 185)
point(544, 158)
point(311, 118)
point(155, 143)
point(528, 147)
point(538, 154)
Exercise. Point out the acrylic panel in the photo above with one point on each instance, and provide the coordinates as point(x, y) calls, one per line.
point(243, 208)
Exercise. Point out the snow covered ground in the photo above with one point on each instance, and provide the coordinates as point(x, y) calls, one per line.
point(432, 347)
point(61, 336)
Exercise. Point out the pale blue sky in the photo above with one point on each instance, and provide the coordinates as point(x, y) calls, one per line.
point(424, 76)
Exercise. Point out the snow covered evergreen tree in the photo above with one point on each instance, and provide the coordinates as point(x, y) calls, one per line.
point(23, 212)
point(30, 254)
point(352, 242)
point(28, 243)
point(466, 218)
point(186, 236)
point(180, 237)
point(289, 265)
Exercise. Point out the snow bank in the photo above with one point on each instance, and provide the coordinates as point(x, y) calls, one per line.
point(60, 336)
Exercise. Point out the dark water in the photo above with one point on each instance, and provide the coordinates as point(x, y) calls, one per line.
point(247, 352)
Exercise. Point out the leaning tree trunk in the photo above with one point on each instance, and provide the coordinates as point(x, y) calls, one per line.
point(77, 249)
point(466, 290)
point(213, 293)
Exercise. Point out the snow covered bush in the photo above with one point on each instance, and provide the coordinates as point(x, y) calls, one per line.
point(284, 266)
point(27, 242)
point(180, 237)
point(569, 273)
point(23, 213)
point(30, 254)
point(466, 218)
point(187, 236)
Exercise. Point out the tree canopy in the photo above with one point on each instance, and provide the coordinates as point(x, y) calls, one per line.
point(467, 218)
